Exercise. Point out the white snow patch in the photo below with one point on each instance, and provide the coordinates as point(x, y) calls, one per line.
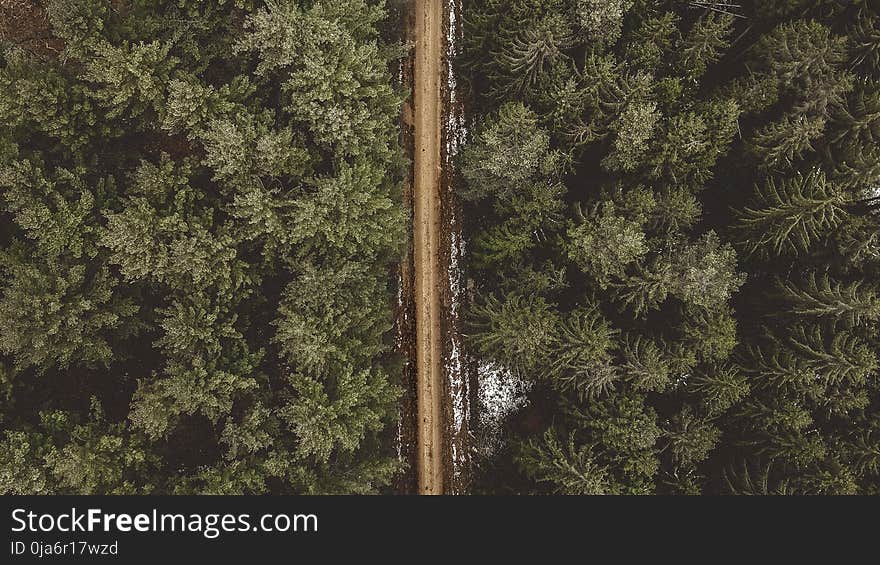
point(500, 394)
point(455, 368)
point(455, 126)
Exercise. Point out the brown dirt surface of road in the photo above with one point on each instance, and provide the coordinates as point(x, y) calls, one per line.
point(428, 276)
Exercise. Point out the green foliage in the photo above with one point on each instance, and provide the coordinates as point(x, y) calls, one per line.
point(691, 439)
point(332, 69)
point(821, 297)
point(129, 79)
point(71, 457)
point(604, 244)
point(807, 61)
point(652, 40)
point(700, 274)
point(602, 20)
point(705, 43)
point(720, 387)
point(662, 360)
point(833, 356)
point(784, 142)
point(22, 467)
point(332, 316)
point(509, 154)
point(516, 332)
point(864, 35)
point(46, 103)
point(628, 433)
point(59, 315)
point(201, 205)
point(324, 424)
point(633, 129)
point(790, 215)
point(579, 358)
point(346, 214)
point(645, 364)
point(567, 468)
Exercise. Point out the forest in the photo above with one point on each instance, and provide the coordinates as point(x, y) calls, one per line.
point(674, 226)
point(671, 211)
point(200, 213)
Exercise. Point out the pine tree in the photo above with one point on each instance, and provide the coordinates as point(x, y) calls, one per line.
point(781, 144)
point(101, 458)
point(788, 216)
point(567, 468)
point(690, 438)
point(801, 451)
point(602, 20)
point(719, 387)
point(347, 213)
point(22, 463)
point(332, 316)
point(693, 143)
point(652, 41)
point(704, 43)
point(821, 297)
point(860, 169)
point(757, 483)
point(327, 419)
point(858, 242)
point(857, 122)
point(606, 90)
point(58, 315)
point(48, 103)
point(605, 243)
point(502, 244)
point(335, 78)
point(579, 359)
point(864, 34)
point(208, 385)
point(709, 333)
point(533, 51)
point(677, 210)
point(807, 61)
point(177, 248)
point(866, 453)
point(633, 130)
point(627, 432)
point(775, 364)
point(834, 356)
point(515, 333)
point(700, 274)
point(64, 455)
point(645, 364)
point(508, 153)
point(128, 80)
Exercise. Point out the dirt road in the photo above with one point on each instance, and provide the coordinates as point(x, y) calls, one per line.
point(428, 275)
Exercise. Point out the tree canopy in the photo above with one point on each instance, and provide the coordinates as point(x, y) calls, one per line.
point(201, 203)
point(694, 303)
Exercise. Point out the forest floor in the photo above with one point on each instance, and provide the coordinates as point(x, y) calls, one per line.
point(427, 35)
